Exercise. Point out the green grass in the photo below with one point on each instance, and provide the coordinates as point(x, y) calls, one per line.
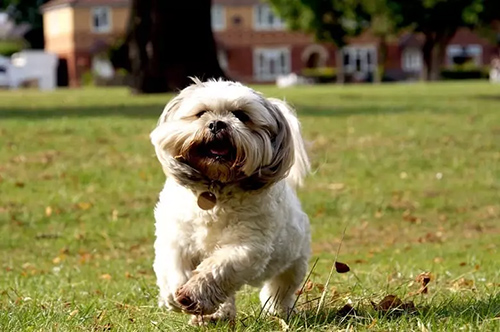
point(412, 172)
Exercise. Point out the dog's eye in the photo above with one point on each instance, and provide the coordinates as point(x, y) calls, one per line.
point(242, 116)
point(199, 114)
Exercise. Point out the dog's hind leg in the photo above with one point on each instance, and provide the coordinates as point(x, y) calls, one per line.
point(226, 312)
point(278, 294)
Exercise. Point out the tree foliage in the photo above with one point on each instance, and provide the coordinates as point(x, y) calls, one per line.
point(27, 11)
point(437, 20)
point(332, 21)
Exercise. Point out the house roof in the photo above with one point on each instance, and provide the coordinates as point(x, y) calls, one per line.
point(82, 3)
point(236, 2)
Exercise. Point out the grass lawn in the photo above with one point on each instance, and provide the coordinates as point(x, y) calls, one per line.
point(411, 172)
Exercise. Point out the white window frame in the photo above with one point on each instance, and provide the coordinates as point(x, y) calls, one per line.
point(363, 51)
point(99, 11)
point(476, 51)
point(222, 58)
point(262, 70)
point(218, 13)
point(412, 60)
point(264, 10)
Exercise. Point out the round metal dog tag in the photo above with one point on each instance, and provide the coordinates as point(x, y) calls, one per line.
point(207, 200)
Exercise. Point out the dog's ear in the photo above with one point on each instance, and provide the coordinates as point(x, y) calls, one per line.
point(176, 102)
point(283, 153)
point(170, 108)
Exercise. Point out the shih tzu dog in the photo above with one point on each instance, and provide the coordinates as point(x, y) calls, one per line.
point(228, 214)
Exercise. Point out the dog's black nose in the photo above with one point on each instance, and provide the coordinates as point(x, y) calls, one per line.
point(216, 126)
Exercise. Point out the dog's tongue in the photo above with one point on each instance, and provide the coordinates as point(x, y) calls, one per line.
point(219, 151)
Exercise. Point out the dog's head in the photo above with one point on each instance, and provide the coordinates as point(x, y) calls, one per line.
point(225, 131)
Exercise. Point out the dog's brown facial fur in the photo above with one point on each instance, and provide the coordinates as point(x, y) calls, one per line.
point(214, 155)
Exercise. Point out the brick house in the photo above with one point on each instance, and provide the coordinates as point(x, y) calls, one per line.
point(254, 46)
point(78, 30)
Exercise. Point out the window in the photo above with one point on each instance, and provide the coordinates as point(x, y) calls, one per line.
point(459, 55)
point(222, 57)
point(218, 17)
point(265, 19)
point(361, 59)
point(269, 63)
point(101, 19)
point(412, 60)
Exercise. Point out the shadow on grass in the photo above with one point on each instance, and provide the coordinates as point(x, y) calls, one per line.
point(470, 311)
point(134, 111)
point(154, 111)
point(488, 97)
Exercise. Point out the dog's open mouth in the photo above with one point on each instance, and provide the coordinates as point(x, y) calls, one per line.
point(220, 149)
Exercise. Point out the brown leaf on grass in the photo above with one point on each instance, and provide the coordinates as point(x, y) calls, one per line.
point(336, 186)
point(462, 264)
point(83, 205)
point(372, 324)
point(342, 267)
point(424, 279)
point(84, 257)
point(392, 302)
point(105, 276)
point(346, 311)
point(463, 283)
point(19, 184)
point(407, 215)
point(309, 286)
point(389, 302)
point(438, 260)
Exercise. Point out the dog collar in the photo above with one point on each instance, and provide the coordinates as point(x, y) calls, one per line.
point(207, 200)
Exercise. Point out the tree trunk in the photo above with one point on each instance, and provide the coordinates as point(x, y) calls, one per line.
point(170, 41)
point(434, 51)
point(427, 50)
point(381, 59)
point(339, 63)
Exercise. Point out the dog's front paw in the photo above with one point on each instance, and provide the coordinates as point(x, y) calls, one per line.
point(196, 304)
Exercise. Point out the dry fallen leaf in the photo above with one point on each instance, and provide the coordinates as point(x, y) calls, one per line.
point(105, 276)
point(438, 260)
point(48, 211)
point(424, 279)
point(336, 186)
point(84, 205)
point(346, 310)
point(463, 283)
point(341, 267)
point(389, 302)
point(372, 324)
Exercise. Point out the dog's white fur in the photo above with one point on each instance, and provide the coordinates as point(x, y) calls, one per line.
point(257, 233)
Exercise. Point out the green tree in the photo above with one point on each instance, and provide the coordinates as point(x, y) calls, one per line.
point(27, 11)
point(438, 21)
point(329, 21)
